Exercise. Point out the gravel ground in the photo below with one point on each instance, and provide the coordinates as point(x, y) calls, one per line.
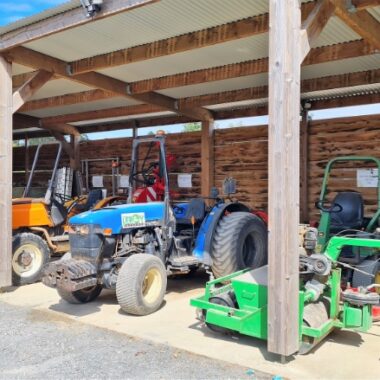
point(39, 345)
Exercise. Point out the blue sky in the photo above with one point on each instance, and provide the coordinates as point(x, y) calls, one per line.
point(14, 10)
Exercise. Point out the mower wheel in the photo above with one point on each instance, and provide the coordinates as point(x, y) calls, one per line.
point(29, 255)
point(372, 267)
point(225, 299)
point(141, 284)
point(80, 296)
point(240, 241)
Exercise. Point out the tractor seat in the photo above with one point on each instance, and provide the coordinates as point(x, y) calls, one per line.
point(196, 209)
point(352, 214)
point(94, 196)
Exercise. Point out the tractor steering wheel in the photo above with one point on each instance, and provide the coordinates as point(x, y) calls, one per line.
point(327, 206)
point(148, 178)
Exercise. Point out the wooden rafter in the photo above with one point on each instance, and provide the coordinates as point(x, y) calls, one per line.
point(38, 61)
point(67, 99)
point(314, 24)
point(29, 88)
point(317, 55)
point(65, 20)
point(362, 22)
point(307, 85)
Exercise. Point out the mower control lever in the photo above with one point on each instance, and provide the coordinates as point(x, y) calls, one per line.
point(327, 206)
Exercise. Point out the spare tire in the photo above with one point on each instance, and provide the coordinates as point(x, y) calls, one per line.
point(240, 241)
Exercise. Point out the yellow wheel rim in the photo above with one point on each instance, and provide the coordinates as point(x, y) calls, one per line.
point(27, 260)
point(152, 285)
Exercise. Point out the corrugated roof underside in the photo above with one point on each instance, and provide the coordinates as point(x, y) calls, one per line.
point(148, 23)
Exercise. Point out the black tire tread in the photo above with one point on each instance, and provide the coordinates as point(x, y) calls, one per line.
point(78, 296)
point(128, 282)
point(225, 243)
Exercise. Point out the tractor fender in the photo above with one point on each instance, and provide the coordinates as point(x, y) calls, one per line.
point(203, 242)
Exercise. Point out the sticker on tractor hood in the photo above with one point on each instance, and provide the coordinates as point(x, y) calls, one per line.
point(133, 219)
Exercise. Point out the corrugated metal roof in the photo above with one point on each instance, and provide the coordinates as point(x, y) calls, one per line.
point(339, 92)
point(368, 62)
point(149, 23)
point(375, 12)
point(20, 69)
point(59, 87)
point(216, 55)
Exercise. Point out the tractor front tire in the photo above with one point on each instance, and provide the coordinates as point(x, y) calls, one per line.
point(80, 296)
point(240, 241)
point(29, 255)
point(141, 284)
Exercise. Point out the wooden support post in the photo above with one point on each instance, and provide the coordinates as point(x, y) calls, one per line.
point(26, 158)
point(207, 157)
point(75, 158)
point(284, 111)
point(304, 161)
point(6, 139)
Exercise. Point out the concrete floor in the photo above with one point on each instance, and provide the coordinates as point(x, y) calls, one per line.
point(345, 354)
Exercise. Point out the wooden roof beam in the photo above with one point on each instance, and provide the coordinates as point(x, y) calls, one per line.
point(362, 22)
point(29, 88)
point(317, 55)
point(307, 85)
point(65, 20)
point(312, 27)
point(38, 61)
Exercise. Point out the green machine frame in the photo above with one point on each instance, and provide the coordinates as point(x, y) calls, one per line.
point(248, 316)
point(324, 224)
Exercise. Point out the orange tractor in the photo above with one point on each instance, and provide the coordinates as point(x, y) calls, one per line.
point(39, 224)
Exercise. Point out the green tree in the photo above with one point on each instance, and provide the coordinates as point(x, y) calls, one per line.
point(192, 127)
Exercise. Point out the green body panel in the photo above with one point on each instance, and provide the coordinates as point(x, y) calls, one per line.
point(250, 315)
point(324, 223)
point(337, 243)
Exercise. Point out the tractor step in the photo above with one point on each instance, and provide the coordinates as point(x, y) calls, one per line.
point(183, 261)
point(60, 238)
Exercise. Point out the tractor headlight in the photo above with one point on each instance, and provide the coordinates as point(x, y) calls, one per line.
point(81, 229)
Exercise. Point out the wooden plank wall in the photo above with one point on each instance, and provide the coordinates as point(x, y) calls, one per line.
point(242, 153)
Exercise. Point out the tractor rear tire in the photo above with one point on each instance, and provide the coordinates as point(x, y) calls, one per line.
point(29, 255)
point(372, 267)
point(240, 241)
point(80, 296)
point(141, 284)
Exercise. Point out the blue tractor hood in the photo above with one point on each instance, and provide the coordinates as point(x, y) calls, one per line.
point(122, 217)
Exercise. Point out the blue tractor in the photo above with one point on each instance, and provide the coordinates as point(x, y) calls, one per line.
point(133, 247)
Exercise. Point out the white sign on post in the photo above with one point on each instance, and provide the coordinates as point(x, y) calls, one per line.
point(367, 177)
point(185, 180)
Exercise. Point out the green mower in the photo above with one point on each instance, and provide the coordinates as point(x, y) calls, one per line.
point(344, 216)
point(241, 304)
